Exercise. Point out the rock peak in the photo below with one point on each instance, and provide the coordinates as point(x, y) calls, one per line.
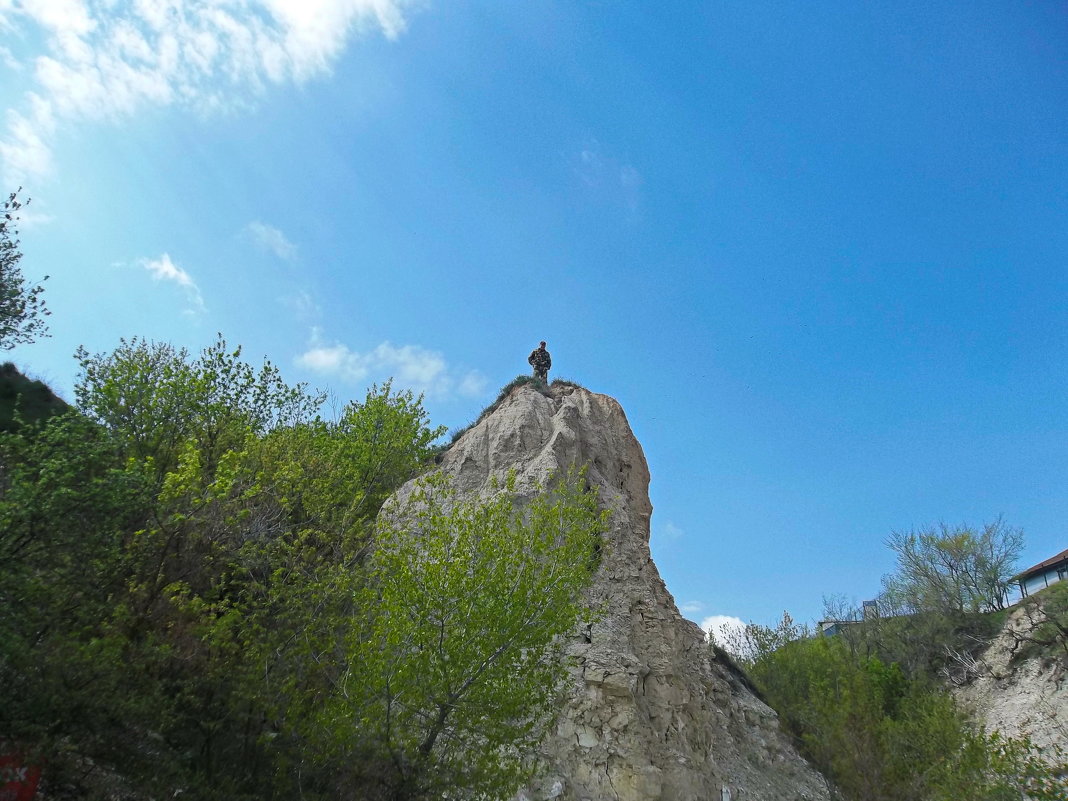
point(650, 712)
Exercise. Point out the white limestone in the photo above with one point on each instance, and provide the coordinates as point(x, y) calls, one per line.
point(649, 713)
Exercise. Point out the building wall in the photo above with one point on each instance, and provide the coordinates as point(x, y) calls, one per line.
point(1035, 583)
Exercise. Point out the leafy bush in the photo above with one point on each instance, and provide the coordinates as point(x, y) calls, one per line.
point(879, 733)
point(194, 599)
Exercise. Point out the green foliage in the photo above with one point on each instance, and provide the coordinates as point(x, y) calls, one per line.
point(22, 309)
point(456, 671)
point(879, 733)
point(193, 596)
point(953, 570)
point(67, 509)
point(927, 642)
point(942, 604)
point(155, 399)
point(990, 767)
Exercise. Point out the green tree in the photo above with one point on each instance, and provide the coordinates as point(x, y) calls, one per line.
point(22, 309)
point(194, 594)
point(68, 508)
point(289, 516)
point(449, 681)
point(121, 535)
point(953, 570)
point(155, 399)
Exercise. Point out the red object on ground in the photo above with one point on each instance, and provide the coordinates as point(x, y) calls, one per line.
point(18, 781)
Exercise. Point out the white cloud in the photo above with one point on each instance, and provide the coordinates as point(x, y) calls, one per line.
point(722, 627)
point(303, 306)
point(25, 151)
point(33, 219)
point(670, 531)
point(7, 58)
point(270, 238)
point(472, 385)
point(691, 607)
point(411, 367)
point(108, 59)
point(163, 269)
point(607, 177)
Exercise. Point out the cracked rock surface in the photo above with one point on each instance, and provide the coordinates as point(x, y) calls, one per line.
point(1020, 697)
point(648, 713)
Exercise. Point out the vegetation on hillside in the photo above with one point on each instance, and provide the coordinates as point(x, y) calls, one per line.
point(871, 707)
point(195, 596)
point(1043, 630)
point(25, 400)
point(200, 597)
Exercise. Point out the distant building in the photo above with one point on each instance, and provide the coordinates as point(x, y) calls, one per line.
point(1043, 574)
point(832, 628)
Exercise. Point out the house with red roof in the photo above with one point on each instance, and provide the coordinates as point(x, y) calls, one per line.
point(1043, 574)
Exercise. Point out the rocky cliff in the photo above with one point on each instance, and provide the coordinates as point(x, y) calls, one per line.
point(1019, 696)
point(649, 713)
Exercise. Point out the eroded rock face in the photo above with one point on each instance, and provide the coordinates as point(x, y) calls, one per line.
point(650, 713)
point(1020, 697)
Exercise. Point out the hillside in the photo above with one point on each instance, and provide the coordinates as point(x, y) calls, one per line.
point(647, 711)
point(25, 398)
point(1020, 691)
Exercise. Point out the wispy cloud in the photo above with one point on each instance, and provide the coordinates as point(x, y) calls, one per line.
point(270, 238)
point(303, 306)
point(607, 177)
point(472, 384)
point(8, 59)
point(24, 152)
point(107, 59)
point(670, 531)
point(163, 269)
point(410, 366)
point(691, 607)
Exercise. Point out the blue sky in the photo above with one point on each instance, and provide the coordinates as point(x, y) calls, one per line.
point(817, 251)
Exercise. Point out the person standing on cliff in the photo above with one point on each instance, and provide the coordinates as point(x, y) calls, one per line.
point(540, 360)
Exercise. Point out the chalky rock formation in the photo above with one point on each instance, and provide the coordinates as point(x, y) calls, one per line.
point(1021, 697)
point(649, 713)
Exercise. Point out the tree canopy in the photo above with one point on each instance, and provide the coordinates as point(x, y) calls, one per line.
point(957, 569)
point(22, 309)
point(197, 593)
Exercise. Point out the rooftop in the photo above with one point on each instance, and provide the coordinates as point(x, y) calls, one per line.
point(1062, 556)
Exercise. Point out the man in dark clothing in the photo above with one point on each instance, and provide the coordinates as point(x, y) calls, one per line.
point(541, 361)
